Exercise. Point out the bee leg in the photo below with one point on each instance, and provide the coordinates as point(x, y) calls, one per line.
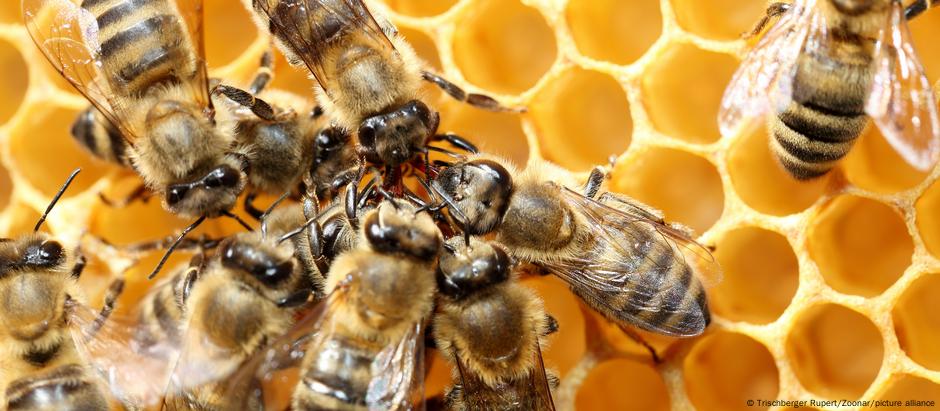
point(265, 73)
point(594, 182)
point(473, 99)
point(457, 141)
point(140, 193)
point(257, 106)
point(916, 8)
point(110, 297)
point(774, 10)
point(640, 340)
point(551, 325)
point(79, 266)
point(249, 206)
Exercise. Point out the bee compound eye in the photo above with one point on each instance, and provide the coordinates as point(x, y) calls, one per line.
point(50, 251)
point(221, 177)
point(176, 193)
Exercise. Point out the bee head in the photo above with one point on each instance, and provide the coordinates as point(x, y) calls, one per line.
point(209, 194)
point(396, 229)
point(329, 142)
point(33, 279)
point(257, 260)
point(465, 269)
point(394, 138)
point(480, 189)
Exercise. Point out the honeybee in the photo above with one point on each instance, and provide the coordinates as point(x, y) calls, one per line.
point(362, 347)
point(488, 327)
point(42, 369)
point(143, 68)
point(822, 70)
point(368, 76)
point(615, 253)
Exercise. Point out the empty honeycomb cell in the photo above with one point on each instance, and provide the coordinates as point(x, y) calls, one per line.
point(721, 19)
point(630, 340)
point(909, 392)
point(10, 12)
point(725, 369)
point(615, 31)
point(578, 106)
point(928, 218)
point(762, 182)
point(496, 133)
point(834, 351)
point(149, 219)
point(503, 45)
point(918, 325)
point(14, 81)
point(761, 275)
point(6, 187)
point(45, 135)
point(686, 187)
point(874, 165)
point(563, 349)
point(924, 30)
point(621, 384)
point(679, 102)
point(229, 31)
point(423, 46)
point(861, 246)
point(420, 8)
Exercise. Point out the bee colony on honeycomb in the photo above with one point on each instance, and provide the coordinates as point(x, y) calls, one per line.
point(830, 287)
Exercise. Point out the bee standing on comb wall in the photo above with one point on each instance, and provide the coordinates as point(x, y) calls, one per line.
point(39, 296)
point(615, 253)
point(488, 327)
point(822, 70)
point(368, 76)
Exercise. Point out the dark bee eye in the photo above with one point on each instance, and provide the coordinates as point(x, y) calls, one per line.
point(243, 257)
point(47, 254)
point(176, 193)
point(221, 177)
point(367, 131)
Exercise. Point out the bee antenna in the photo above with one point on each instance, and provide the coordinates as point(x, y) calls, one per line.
point(297, 230)
point(450, 249)
point(462, 219)
point(267, 212)
point(451, 154)
point(239, 219)
point(175, 244)
point(56, 198)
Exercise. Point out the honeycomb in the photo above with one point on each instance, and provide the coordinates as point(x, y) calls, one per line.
point(830, 287)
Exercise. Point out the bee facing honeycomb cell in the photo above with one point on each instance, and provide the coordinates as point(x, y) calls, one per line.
point(828, 283)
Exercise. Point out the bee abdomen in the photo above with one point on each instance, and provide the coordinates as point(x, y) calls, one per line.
point(67, 387)
point(666, 295)
point(99, 137)
point(141, 45)
point(808, 142)
point(337, 378)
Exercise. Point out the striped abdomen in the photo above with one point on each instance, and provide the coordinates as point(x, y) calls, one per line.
point(161, 314)
point(336, 377)
point(97, 135)
point(143, 43)
point(827, 113)
point(66, 387)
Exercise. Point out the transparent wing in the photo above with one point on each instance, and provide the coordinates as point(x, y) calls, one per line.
point(398, 374)
point(901, 101)
point(191, 11)
point(68, 36)
point(764, 80)
point(638, 261)
point(542, 400)
point(309, 28)
point(137, 373)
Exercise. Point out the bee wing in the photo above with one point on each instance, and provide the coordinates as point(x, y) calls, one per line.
point(285, 353)
point(191, 11)
point(68, 36)
point(543, 392)
point(308, 28)
point(763, 81)
point(398, 373)
point(136, 372)
point(901, 101)
point(653, 283)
